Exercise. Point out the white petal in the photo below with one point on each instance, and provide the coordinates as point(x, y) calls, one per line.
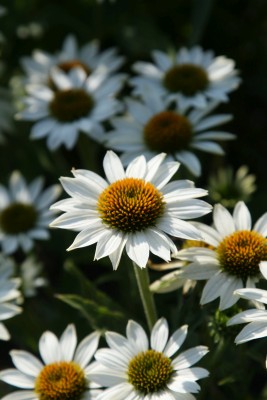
point(117, 342)
point(49, 348)
point(209, 234)
point(137, 248)
point(21, 395)
point(190, 161)
point(4, 334)
point(227, 297)
point(261, 225)
point(263, 268)
point(212, 288)
point(115, 257)
point(189, 357)
point(88, 236)
point(68, 342)
point(251, 332)
point(17, 378)
point(112, 359)
point(252, 315)
point(159, 335)
point(176, 341)
point(242, 217)
point(86, 349)
point(113, 167)
point(182, 385)
point(26, 362)
point(253, 294)
point(178, 228)
point(223, 220)
point(109, 243)
point(164, 174)
point(137, 168)
point(118, 392)
point(159, 243)
point(136, 335)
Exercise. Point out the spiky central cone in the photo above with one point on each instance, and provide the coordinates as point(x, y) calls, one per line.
point(241, 252)
point(60, 381)
point(17, 218)
point(70, 105)
point(168, 132)
point(130, 205)
point(149, 371)
point(186, 78)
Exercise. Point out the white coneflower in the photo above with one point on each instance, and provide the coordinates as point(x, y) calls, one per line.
point(237, 257)
point(24, 212)
point(133, 368)
point(78, 103)
point(134, 209)
point(193, 76)
point(63, 373)
point(151, 127)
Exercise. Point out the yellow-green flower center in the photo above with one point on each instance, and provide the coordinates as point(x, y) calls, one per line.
point(70, 105)
point(130, 205)
point(186, 78)
point(241, 252)
point(60, 381)
point(168, 131)
point(17, 218)
point(149, 371)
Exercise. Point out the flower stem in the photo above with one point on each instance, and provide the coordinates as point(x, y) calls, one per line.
point(146, 295)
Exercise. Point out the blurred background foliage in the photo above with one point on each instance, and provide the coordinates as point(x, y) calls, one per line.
point(234, 28)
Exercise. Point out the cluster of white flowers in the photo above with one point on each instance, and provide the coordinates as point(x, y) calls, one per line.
point(135, 209)
point(129, 368)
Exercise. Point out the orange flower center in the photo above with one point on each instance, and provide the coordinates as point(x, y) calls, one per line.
point(60, 381)
point(130, 205)
point(241, 252)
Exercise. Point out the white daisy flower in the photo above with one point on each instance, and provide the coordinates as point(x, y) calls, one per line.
point(256, 318)
point(151, 127)
point(192, 76)
point(238, 258)
point(132, 368)
point(63, 373)
point(24, 213)
point(132, 209)
point(79, 103)
point(88, 57)
point(9, 294)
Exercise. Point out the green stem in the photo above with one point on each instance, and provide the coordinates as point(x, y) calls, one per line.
point(146, 295)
